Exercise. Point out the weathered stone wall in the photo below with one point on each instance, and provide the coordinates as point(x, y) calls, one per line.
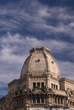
point(66, 84)
point(52, 65)
point(37, 62)
point(69, 85)
point(54, 82)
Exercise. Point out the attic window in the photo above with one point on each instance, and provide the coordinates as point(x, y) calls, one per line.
point(38, 60)
point(52, 62)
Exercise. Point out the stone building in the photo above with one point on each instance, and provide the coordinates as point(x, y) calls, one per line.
point(40, 86)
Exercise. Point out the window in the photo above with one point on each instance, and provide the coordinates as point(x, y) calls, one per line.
point(38, 85)
point(61, 100)
point(42, 84)
point(18, 103)
point(21, 92)
point(54, 86)
point(16, 93)
point(42, 99)
point(56, 100)
point(34, 85)
point(38, 99)
point(34, 99)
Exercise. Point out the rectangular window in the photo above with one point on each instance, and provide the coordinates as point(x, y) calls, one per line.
point(34, 99)
point(42, 84)
point(38, 85)
point(56, 87)
point(38, 99)
point(52, 86)
point(56, 100)
point(42, 99)
point(34, 85)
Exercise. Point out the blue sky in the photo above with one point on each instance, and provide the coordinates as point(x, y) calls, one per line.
point(32, 23)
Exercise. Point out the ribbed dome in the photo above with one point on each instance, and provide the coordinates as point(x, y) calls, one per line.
point(40, 61)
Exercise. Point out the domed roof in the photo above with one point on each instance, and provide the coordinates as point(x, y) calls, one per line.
point(40, 61)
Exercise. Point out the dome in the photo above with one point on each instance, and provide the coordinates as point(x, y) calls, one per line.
point(40, 61)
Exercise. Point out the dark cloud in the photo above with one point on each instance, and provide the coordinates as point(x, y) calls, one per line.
point(65, 56)
point(68, 3)
point(4, 2)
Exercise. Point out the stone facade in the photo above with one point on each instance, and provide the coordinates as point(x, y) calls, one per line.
point(40, 86)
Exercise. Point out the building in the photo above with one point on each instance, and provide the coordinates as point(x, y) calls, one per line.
point(40, 86)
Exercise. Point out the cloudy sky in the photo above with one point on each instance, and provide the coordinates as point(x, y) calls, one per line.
point(33, 23)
